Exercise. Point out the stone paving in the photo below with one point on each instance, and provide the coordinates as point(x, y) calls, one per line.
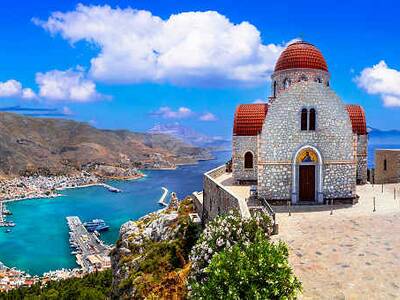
point(353, 253)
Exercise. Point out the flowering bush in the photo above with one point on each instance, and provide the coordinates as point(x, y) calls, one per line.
point(259, 270)
point(224, 232)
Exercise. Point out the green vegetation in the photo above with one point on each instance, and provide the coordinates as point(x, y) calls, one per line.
point(159, 269)
point(95, 286)
point(259, 270)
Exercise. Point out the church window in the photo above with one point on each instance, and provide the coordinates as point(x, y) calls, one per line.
point(304, 116)
point(385, 165)
point(318, 79)
point(327, 83)
point(274, 88)
point(303, 78)
point(286, 83)
point(311, 125)
point(248, 160)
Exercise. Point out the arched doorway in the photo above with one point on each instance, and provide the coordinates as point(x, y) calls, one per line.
point(307, 176)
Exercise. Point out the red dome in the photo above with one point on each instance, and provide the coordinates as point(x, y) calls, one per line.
point(301, 55)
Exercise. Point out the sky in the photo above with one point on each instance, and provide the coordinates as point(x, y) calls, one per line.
point(134, 64)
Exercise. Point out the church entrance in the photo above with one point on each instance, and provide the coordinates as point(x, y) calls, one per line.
point(307, 183)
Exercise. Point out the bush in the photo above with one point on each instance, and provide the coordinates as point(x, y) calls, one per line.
point(258, 270)
point(224, 232)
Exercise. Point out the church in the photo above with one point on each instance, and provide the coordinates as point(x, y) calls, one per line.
point(304, 144)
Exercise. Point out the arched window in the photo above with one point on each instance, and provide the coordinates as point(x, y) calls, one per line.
point(385, 165)
point(304, 114)
point(286, 83)
point(318, 79)
point(311, 125)
point(303, 78)
point(327, 83)
point(248, 160)
point(274, 88)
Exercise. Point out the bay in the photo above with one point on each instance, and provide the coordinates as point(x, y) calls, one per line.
point(39, 242)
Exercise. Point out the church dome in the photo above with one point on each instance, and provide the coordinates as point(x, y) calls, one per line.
point(301, 55)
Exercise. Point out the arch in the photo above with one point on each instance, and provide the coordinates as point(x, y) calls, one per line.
point(303, 77)
point(286, 83)
point(317, 162)
point(248, 160)
point(312, 119)
point(318, 79)
point(304, 117)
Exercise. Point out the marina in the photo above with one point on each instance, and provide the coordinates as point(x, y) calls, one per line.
point(3, 213)
point(90, 252)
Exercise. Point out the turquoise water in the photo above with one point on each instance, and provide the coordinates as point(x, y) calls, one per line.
point(39, 242)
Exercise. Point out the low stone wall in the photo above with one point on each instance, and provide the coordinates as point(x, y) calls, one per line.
point(198, 202)
point(218, 200)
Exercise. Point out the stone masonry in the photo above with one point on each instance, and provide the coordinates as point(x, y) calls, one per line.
point(241, 145)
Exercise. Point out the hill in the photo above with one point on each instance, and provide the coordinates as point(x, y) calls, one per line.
point(59, 146)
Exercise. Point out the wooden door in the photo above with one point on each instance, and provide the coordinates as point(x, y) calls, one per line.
point(307, 183)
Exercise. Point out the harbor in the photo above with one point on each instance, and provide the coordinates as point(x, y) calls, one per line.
point(90, 252)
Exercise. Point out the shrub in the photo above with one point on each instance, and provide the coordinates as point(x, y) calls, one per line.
point(224, 232)
point(258, 270)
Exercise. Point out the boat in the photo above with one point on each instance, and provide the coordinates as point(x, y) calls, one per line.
point(7, 230)
point(96, 225)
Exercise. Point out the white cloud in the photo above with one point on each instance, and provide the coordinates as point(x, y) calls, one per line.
point(258, 101)
point(167, 113)
point(69, 85)
point(13, 89)
point(383, 81)
point(28, 94)
point(208, 117)
point(191, 48)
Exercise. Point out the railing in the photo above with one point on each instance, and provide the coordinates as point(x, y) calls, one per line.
point(260, 203)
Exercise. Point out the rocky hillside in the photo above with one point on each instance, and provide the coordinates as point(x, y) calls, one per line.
point(151, 259)
point(58, 146)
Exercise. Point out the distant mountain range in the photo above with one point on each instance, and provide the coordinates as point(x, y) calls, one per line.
point(57, 146)
point(383, 137)
point(192, 137)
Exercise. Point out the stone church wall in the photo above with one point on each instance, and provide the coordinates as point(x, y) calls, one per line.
point(362, 159)
point(333, 137)
point(241, 145)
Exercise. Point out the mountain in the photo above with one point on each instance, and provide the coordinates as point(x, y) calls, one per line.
point(383, 137)
point(59, 146)
point(192, 137)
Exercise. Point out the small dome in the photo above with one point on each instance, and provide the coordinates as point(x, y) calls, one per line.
point(301, 55)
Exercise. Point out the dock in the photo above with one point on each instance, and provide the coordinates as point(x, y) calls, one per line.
point(91, 253)
point(3, 213)
point(164, 195)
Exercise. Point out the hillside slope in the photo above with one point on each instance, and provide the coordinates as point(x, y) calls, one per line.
point(58, 146)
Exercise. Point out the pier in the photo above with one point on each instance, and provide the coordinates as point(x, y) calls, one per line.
point(3, 213)
point(164, 195)
point(91, 253)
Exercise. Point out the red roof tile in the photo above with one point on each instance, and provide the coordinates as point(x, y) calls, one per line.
point(249, 119)
point(301, 55)
point(357, 117)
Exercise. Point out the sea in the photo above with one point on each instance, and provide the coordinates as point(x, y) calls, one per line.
point(39, 242)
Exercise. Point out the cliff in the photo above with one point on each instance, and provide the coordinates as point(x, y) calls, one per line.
point(58, 146)
point(151, 258)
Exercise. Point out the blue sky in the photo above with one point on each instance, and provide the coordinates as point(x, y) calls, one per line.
point(116, 92)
